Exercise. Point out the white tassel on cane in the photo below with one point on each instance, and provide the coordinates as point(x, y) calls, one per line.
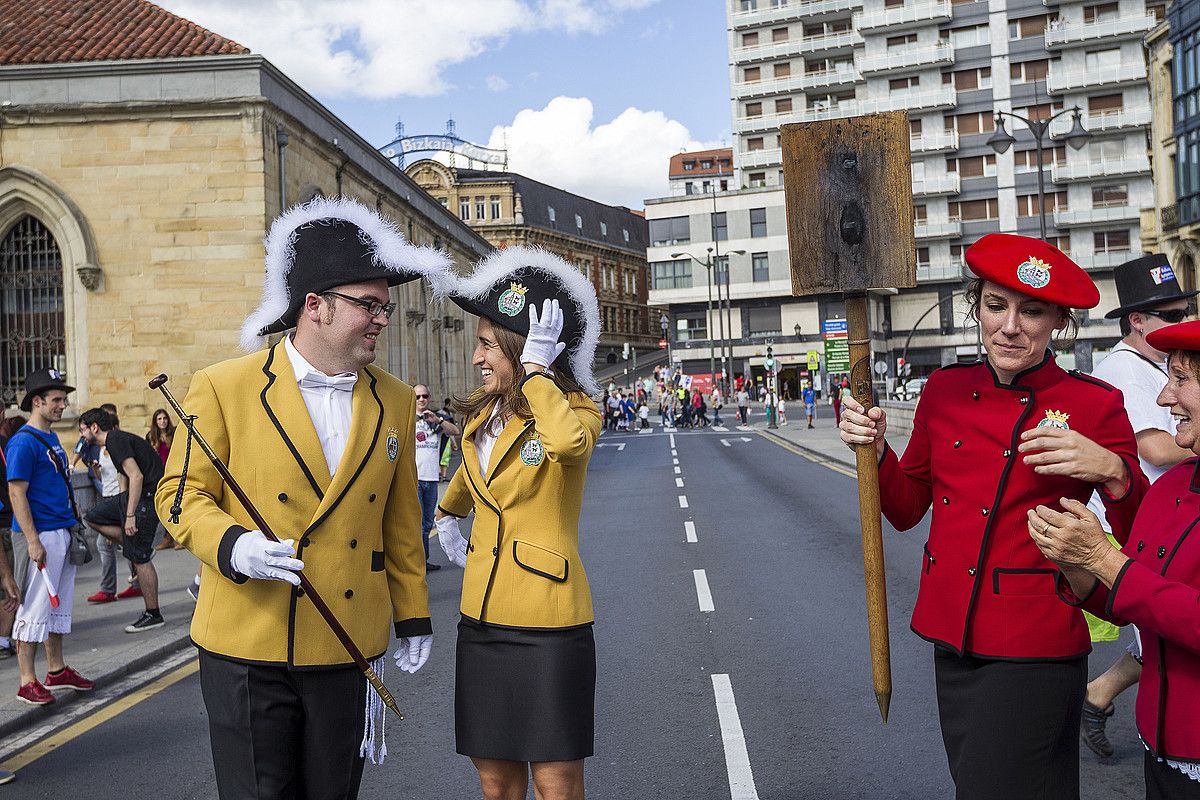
point(374, 742)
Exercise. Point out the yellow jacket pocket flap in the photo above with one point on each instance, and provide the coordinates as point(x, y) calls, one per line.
point(540, 561)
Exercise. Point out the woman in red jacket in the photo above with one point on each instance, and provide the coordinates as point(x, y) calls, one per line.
point(1153, 582)
point(991, 440)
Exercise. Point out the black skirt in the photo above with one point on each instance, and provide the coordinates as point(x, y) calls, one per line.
point(524, 695)
point(1011, 729)
point(1164, 782)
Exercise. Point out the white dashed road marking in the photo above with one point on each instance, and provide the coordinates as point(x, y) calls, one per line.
point(703, 595)
point(737, 759)
point(689, 530)
point(683, 501)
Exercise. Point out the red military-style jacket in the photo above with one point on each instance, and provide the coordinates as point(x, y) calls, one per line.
point(1159, 591)
point(986, 590)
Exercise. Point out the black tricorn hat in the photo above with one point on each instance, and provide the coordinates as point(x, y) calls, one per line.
point(507, 283)
point(40, 381)
point(327, 243)
point(1144, 283)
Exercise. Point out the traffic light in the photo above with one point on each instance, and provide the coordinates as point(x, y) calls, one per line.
point(770, 359)
point(625, 352)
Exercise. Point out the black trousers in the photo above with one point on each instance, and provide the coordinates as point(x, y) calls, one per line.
point(279, 734)
point(1011, 729)
point(1164, 782)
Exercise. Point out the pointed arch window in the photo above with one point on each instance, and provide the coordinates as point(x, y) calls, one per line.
point(31, 305)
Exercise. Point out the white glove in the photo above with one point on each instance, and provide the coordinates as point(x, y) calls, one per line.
point(452, 541)
point(256, 556)
point(413, 652)
point(542, 345)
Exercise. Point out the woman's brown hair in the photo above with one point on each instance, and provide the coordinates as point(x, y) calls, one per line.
point(153, 436)
point(974, 296)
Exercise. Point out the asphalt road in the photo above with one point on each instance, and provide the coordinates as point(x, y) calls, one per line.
point(776, 538)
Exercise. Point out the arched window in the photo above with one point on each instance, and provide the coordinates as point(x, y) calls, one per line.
point(31, 306)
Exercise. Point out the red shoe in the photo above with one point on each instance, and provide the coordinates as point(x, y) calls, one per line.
point(69, 679)
point(132, 591)
point(35, 694)
point(102, 597)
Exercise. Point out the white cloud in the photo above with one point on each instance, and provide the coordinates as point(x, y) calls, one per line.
point(387, 48)
point(495, 83)
point(623, 161)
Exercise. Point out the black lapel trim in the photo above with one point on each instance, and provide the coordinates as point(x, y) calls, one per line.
point(366, 457)
point(478, 493)
point(492, 475)
point(1016, 386)
point(1194, 485)
point(271, 376)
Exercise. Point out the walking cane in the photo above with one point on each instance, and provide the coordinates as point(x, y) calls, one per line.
point(848, 195)
point(310, 591)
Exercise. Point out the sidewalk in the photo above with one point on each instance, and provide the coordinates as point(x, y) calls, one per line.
point(821, 441)
point(98, 646)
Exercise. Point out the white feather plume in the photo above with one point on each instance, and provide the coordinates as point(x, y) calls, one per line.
point(492, 269)
point(387, 244)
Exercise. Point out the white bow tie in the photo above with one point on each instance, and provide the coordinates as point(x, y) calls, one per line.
point(318, 380)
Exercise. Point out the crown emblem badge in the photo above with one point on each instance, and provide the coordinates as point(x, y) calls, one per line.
point(512, 300)
point(1034, 272)
point(1055, 419)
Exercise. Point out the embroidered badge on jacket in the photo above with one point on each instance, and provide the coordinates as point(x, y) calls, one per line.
point(1034, 272)
point(393, 444)
point(513, 299)
point(532, 451)
point(1055, 419)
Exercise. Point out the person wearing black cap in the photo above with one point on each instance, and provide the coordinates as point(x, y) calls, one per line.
point(991, 440)
point(1149, 297)
point(322, 441)
point(526, 660)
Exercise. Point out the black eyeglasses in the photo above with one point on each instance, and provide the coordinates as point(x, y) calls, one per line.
point(372, 307)
point(1171, 315)
point(422, 397)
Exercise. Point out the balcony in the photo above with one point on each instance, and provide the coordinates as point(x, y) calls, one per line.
point(795, 47)
point(1061, 80)
point(907, 58)
point(910, 15)
point(911, 100)
point(754, 159)
point(1095, 216)
point(1110, 259)
point(938, 230)
point(934, 142)
point(932, 185)
point(797, 83)
point(1094, 32)
point(788, 12)
point(1104, 168)
point(1104, 121)
point(950, 269)
point(767, 122)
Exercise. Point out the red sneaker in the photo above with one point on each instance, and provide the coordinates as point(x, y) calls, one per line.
point(35, 694)
point(102, 597)
point(132, 591)
point(69, 679)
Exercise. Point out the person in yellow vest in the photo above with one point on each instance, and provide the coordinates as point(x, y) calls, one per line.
point(322, 441)
point(525, 682)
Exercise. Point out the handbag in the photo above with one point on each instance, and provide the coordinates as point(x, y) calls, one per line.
point(79, 550)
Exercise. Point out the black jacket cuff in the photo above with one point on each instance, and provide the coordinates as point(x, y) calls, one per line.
point(225, 553)
point(449, 513)
point(417, 626)
point(1112, 593)
point(521, 385)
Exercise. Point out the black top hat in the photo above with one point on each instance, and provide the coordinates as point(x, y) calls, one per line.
point(510, 281)
point(327, 243)
point(1144, 283)
point(40, 381)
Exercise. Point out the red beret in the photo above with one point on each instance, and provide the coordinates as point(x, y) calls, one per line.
point(1184, 336)
point(1034, 268)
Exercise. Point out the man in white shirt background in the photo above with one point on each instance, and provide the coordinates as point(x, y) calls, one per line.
point(430, 427)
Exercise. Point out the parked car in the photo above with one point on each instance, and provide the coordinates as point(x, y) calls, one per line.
point(910, 390)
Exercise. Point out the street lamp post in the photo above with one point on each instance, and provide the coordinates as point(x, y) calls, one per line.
point(708, 263)
point(665, 324)
point(1076, 138)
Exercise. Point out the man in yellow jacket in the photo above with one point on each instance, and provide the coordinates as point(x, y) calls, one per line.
point(323, 443)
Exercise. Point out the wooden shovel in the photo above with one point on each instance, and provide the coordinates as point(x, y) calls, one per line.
point(850, 228)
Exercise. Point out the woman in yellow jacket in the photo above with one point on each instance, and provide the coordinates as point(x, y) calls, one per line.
point(525, 677)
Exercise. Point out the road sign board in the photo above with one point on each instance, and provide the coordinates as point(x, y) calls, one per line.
point(814, 360)
point(837, 345)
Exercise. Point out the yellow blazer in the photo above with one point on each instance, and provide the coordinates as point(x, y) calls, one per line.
point(523, 567)
point(358, 532)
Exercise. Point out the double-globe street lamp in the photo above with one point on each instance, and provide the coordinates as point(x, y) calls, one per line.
point(1076, 138)
point(708, 264)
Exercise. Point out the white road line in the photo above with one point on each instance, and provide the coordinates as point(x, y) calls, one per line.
point(689, 530)
point(737, 760)
point(703, 595)
point(672, 440)
point(683, 501)
point(677, 470)
point(673, 459)
point(679, 483)
point(720, 428)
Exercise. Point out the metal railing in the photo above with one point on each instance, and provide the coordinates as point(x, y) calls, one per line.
point(936, 184)
point(940, 270)
point(1103, 121)
point(934, 141)
point(938, 230)
point(1088, 32)
point(795, 47)
point(906, 57)
point(795, 83)
point(760, 158)
point(1095, 216)
point(1059, 80)
point(789, 11)
point(920, 11)
point(1128, 165)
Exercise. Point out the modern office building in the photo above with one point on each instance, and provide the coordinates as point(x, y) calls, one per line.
point(952, 66)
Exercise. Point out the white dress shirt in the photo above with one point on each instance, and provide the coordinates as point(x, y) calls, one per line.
point(485, 440)
point(330, 404)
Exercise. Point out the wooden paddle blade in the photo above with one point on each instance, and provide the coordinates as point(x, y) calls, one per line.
point(848, 192)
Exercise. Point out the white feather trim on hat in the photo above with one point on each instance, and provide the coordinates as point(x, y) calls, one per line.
point(492, 269)
point(387, 244)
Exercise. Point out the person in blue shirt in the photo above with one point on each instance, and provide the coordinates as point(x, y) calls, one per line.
point(810, 402)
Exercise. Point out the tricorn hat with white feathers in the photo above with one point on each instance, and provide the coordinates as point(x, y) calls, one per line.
point(330, 242)
point(506, 283)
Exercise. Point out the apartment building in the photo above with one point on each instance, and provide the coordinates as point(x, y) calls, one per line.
point(701, 172)
point(952, 65)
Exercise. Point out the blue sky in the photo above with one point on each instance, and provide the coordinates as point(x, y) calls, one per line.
point(560, 76)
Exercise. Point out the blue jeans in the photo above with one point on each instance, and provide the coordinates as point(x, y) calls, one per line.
point(427, 491)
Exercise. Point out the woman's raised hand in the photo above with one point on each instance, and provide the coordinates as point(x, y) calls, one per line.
point(859, 426)
point(542, 345)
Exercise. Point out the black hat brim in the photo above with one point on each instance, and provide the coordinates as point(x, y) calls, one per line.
point(27, 403)
point(1141, 305)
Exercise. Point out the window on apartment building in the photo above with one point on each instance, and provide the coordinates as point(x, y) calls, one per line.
point(749, 5)
point(961, 2)
point(972, 166)
point(1100, 12)
point(604, 229)
point(464, 208)
point(690, 325)
point(813, 29)
point(920, 213)
point(578, 222)
point(754, 143)
point(922, 256)
point(625, 235)
point(758, 223)
point(720, 227)
point(761, 267)
point(783, 105)
point(967, 124)
point(688, 166)
point(1029, 71)
point(765, 321)
point(1105, 104)
point(1106, 150)
point(550, 213)
point(756, 180)
point(1026, 160)
point(480, 208)
point(750, 39)
point(1029, 26)
point(974, 210)
point(1062, 242)
point(689, 188)
point(1110, 195)
point(893, 3)
point(1111, 241)
point(956, 253)
point(495, 207)
point(1107, 59)
point(705, 163)
point(904, 84)
point(1158, 10)
point(969, 79)
point(914, 127)
point(724, 185)
point(720, 266)
point(671, 274)
point(668, 231)
point(1041, 111)
point(783, 69)
point(754, 109)
point(902, 41)
point(1027, 204)
point(966, 36)
point(917, 168)
point(779, 35)
point(752, 74)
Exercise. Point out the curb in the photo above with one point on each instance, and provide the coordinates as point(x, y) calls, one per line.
point(42, 714)
point(817, 455)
